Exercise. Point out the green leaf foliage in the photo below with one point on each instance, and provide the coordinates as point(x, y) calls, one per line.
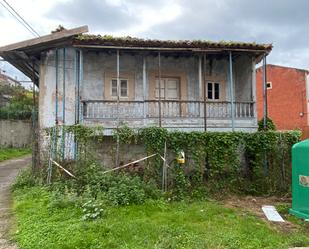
point(20, 105)
point(250, 163)
point(270, 125)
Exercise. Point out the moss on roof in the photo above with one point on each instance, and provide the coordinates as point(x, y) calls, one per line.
point(107, 40)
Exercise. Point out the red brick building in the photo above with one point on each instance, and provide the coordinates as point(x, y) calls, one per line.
point(287, 96)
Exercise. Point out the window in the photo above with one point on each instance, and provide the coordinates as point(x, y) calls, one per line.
point(169, 88)
point(213, 90)
point(162, 86)
point(269, 85)
point(123, 88)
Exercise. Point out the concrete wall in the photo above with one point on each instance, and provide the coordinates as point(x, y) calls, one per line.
point(15, 133)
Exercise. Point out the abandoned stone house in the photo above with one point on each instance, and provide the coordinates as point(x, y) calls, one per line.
point(183, 85)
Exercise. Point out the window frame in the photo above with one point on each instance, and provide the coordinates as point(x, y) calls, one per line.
point(111, 88)
point(270, 85)
point(164, 87)
point(213, 90)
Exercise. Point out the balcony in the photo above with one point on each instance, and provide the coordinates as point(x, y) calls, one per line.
point(174, 113)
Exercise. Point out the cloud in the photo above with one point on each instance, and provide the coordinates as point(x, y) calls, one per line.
point(281, 22)
point(95, 13)
point(108, 15)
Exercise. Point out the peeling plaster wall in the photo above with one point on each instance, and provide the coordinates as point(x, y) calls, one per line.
point(243, 78)
point(97, 64)
point(47, 98)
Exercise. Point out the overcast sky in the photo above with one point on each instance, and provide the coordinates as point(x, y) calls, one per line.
point(281, 22)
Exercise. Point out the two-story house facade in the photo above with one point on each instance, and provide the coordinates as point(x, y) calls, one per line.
point(109, 81)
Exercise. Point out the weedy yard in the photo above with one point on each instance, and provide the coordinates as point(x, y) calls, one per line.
point(131, 219)
point(126, 209)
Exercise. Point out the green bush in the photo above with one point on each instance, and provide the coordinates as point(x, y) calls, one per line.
point(270, 125)
point(126, 191)
point(20, 106)
point(114, 188)
point(123, 189)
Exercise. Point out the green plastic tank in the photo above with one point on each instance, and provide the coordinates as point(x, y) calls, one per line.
point(300, 180)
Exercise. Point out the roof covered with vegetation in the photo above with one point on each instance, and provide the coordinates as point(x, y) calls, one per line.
point(132, 42)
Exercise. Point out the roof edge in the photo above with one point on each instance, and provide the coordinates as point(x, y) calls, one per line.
point(46, 38)
point(132, 42)
point(287, 67)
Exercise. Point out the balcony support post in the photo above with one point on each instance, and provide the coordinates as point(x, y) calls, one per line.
point(63, 85)
point(63, 103)
point(118, 87)
point(118, 100)
point(82, 107)
point(159, 73)
point(232, 90)
point(57, 88)
point(205, 91)
point(144, 89)
point(253, 89)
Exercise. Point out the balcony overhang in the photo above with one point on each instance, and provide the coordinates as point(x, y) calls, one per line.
point(25, 55)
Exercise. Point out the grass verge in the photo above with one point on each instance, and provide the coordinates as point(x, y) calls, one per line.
point(9, 153)
point(154, 224)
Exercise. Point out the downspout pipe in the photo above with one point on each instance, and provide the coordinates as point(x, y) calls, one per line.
point(265, 163)
point(265, 108)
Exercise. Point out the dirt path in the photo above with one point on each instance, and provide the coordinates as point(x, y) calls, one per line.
point(8, 171)
point(254, 205)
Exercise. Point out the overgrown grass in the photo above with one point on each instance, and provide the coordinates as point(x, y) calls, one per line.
point(9, 153)
point(154, 224)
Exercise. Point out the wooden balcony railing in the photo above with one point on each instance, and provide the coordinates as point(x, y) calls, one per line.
point(107, 109)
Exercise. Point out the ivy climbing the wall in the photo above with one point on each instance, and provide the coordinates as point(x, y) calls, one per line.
point(251, 163)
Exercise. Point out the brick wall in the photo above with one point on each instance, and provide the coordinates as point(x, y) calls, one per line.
point(287, 100)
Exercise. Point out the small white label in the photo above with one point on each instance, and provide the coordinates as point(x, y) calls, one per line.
point(304, 181)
